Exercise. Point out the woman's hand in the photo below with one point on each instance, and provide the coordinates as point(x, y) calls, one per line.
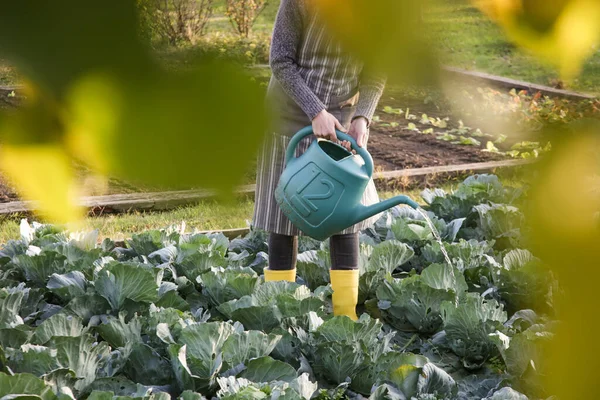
point(325, 124)
point(359, 131)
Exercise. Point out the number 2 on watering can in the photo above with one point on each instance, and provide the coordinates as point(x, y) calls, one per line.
point(305, 202)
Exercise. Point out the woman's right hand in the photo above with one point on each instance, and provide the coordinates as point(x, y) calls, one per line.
point(325, 124)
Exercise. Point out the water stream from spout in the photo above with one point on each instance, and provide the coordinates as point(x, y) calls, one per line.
point(436, 235)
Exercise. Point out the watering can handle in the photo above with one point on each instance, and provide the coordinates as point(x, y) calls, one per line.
point(307, 131)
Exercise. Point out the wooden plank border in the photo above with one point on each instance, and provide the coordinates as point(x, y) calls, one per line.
point(508, 83)
point(492, 80)
point(10, 88)
point(5, 91)
point(500, 81)
point(160, 201)
point(484, 166)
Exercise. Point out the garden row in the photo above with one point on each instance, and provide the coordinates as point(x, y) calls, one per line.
point(189, 315)
point(499, 122)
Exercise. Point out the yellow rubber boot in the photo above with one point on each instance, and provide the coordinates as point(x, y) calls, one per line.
point(285, 275)
point(345, 292)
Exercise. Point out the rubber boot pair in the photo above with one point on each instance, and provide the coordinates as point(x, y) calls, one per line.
point(343, 282)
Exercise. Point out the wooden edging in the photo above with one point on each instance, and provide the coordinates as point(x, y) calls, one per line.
point(8, 89)
point(507, 83)
point(159, 201)
point(484, 166)
point(489, 79)
point(156, 201)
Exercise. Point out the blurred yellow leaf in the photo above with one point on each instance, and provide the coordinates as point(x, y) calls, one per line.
point(564, 32)
point(44, 173)
point(387, 34)
point(103, 98)
point(95, 107)
point(563, 210)
point(566, 186)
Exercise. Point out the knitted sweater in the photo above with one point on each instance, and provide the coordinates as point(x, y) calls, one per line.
point(312, 67)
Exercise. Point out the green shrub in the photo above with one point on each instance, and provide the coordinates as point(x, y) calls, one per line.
point(252, 50)
point(175, 21)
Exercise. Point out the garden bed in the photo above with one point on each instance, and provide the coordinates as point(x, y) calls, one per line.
point(390, 151)
point(393, 148)
point(167, 314)
point(422, 127)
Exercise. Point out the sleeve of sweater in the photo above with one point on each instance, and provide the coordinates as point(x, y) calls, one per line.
point(371, 87)
point(287, 35)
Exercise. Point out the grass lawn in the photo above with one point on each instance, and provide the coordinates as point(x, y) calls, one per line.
point(209, 215)
point(464, 37)
point(468, 39)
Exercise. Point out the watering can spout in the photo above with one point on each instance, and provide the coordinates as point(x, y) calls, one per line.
point(365, 212)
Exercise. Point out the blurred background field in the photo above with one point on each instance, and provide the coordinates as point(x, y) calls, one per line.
point(465, 37)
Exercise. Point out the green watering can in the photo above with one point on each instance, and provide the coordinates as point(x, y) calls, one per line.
point(321, 191)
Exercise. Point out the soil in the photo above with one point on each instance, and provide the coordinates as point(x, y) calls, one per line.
point(9, 99)
point(396, 149)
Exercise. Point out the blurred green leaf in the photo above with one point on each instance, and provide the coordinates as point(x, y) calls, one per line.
point(400, 32)
point(568, 242)
point(96, 93)
point(565, 32)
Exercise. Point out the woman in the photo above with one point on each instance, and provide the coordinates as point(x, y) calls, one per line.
point(314, 82)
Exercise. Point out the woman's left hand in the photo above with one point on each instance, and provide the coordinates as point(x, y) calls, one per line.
point(359, 131)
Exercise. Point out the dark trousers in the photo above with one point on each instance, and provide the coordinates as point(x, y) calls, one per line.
point(283, 251)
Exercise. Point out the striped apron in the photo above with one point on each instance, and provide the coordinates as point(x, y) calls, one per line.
point(289, 119)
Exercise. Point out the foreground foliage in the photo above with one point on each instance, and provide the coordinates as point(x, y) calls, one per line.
point(175, 315)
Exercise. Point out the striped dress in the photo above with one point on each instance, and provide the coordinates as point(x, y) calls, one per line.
point(311, 73)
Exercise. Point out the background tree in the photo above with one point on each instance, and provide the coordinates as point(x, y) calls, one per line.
point(243, 13)
point(176, 21)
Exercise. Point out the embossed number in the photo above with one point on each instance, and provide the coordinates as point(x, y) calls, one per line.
point(323, 196)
